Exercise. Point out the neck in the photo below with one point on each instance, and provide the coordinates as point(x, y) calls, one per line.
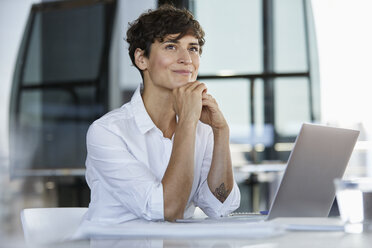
point(159, 105)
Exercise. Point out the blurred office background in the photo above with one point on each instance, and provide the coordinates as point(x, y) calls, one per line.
point(271, 64)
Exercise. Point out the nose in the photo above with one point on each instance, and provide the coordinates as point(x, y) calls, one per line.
point(184, 57)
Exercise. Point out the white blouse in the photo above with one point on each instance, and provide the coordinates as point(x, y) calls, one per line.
point(127, 158)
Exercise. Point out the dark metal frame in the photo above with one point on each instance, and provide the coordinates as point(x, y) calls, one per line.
point(268, 76)
point(70, 86)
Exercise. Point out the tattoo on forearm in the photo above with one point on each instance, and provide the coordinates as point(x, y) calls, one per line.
point(221, 193)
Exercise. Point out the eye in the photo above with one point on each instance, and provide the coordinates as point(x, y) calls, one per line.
point(194, 49)
point(170, 47)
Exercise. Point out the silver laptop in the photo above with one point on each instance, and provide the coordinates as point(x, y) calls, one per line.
point(320, 155)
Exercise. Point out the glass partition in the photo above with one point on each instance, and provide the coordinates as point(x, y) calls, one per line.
point(60, 85)
point(270, 46)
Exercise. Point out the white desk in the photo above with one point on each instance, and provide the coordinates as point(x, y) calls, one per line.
point(284, 238)
point(293, 239)
point(272, 234)
point(289, 240)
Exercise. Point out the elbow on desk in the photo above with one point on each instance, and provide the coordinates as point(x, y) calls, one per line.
point(171, 213)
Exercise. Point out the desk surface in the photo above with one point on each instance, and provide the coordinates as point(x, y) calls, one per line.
point(236, 232)
point(288, 240)
point(282, 237)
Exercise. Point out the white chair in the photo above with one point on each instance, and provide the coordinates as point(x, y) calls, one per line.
point(50, 225)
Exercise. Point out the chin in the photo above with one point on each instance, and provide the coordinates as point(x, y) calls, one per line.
point(180, 83)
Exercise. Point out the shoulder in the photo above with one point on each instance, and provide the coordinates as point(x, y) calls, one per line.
point(114, 121)
point(123, 113)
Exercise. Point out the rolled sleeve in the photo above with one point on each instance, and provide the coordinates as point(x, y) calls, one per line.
point(129, 181)
point(205, 199)
point(213, 207)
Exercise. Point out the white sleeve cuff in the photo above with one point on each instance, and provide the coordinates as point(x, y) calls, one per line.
point(213, 207)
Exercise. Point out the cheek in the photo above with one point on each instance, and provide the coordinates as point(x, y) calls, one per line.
point(196, 62)
point(163, 62)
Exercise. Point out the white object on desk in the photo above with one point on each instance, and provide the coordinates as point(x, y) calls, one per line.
point(310, 224)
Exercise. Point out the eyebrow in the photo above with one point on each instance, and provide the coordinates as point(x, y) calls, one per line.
point(177, 41)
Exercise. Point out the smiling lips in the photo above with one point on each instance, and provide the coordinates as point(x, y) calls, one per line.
point(183, 72)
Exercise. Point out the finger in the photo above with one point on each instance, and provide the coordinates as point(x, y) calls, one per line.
point(185, 87)
point(201, 88)
point(204, 95)
point(210, 103)
point(207, 96)
point(191, 86)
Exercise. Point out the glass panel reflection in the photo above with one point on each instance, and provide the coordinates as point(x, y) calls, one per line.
point(289, 36)
point(292, 106)
point(232, 96)
point(52, 127)
point(60, 85)
point(233, 36)
point(65, 45)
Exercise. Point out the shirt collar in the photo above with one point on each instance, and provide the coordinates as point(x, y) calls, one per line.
point(141, 116)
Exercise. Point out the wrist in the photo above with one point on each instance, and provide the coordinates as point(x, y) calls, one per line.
point(222, 133)
point(222, 130)
point(187, 123)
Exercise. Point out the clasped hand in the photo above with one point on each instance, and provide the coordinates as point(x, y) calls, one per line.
point(192, 103)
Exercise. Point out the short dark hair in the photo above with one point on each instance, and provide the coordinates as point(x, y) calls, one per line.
point(157, 24)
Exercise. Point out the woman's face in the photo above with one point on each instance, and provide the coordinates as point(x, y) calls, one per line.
point(172, 63)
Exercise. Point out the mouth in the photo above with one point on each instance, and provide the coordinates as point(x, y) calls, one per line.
point(183, 72)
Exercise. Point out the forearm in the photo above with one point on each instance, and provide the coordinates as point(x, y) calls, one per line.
point(178, 177)
point(220, 178)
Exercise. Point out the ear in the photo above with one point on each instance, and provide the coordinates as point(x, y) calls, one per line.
point(140, 59)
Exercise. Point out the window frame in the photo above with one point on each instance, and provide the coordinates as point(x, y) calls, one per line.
point(268, 75)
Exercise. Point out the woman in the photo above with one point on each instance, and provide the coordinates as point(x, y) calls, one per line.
point(167, 150)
